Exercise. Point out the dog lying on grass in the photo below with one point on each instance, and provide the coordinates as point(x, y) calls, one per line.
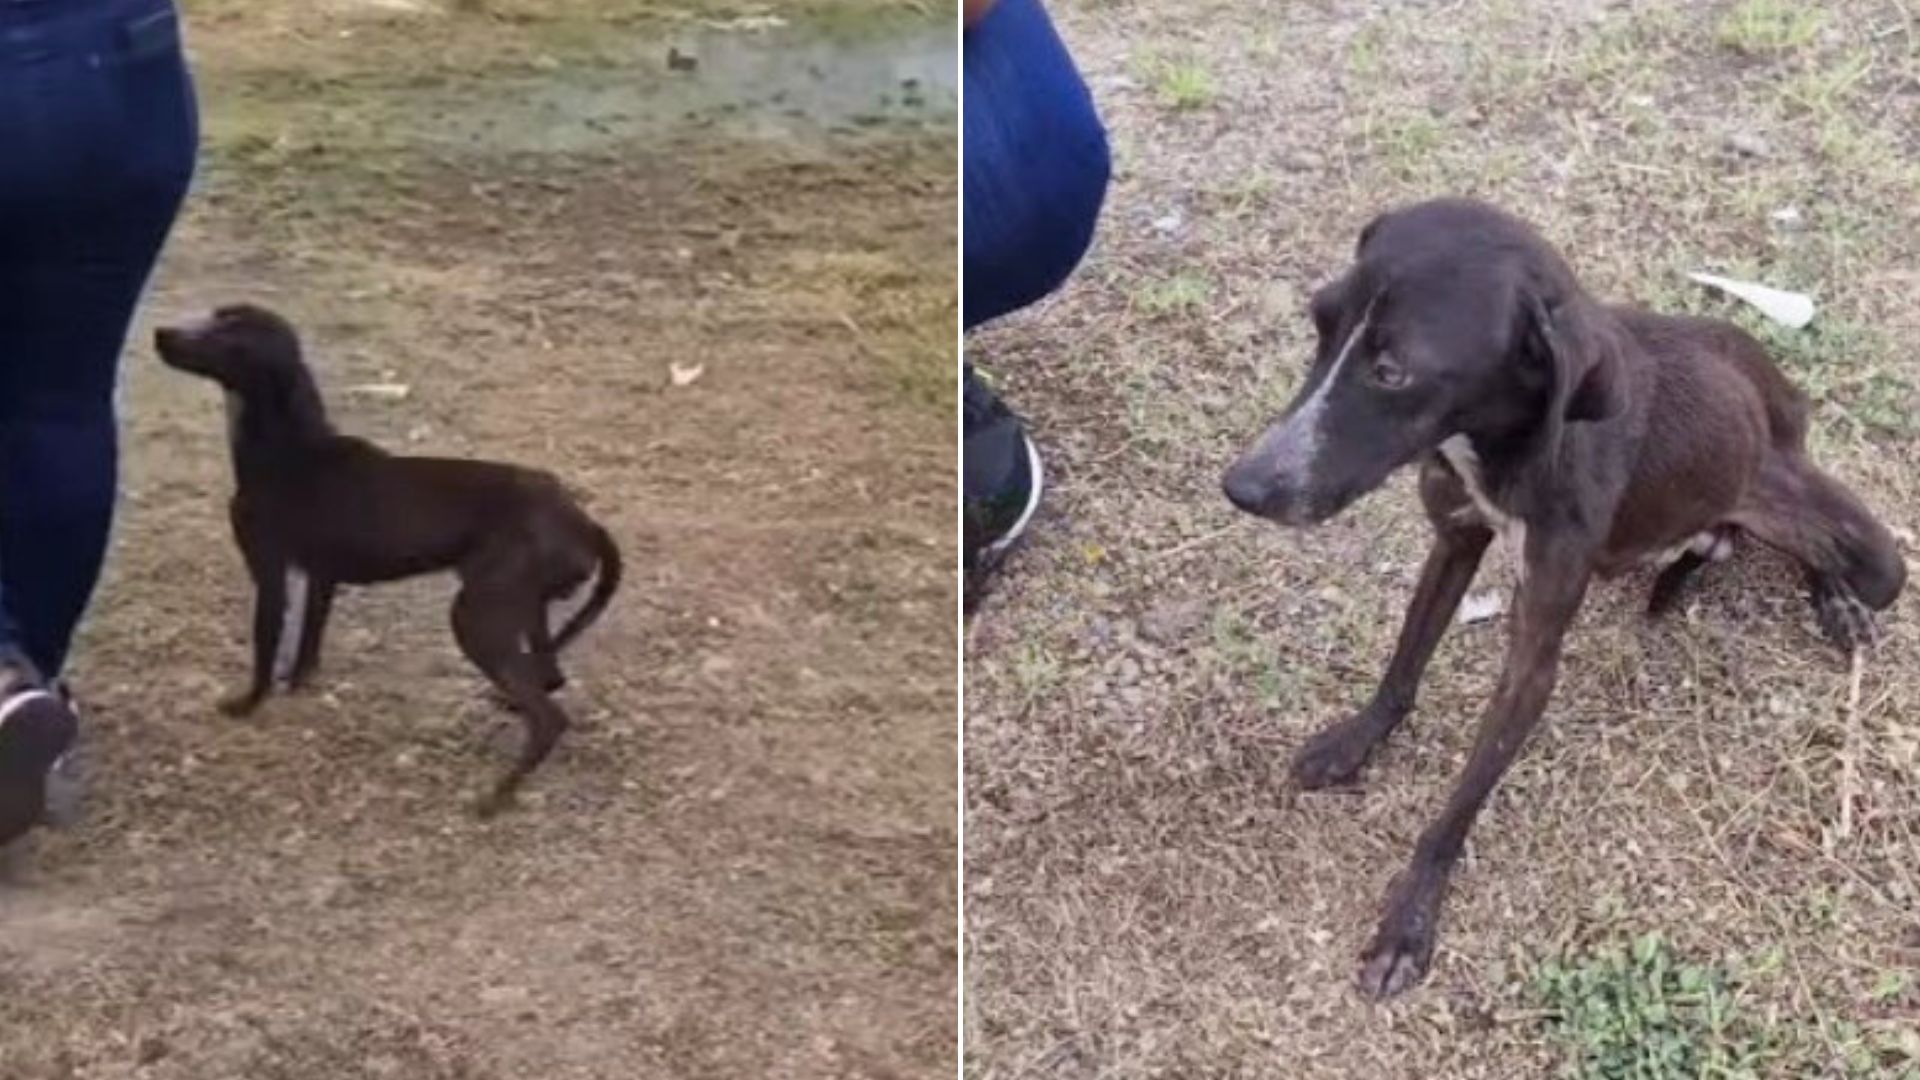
point(1594, 438)
point(339, 510)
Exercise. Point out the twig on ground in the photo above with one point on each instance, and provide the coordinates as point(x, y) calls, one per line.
point(1188, 545)
point(1850, 750)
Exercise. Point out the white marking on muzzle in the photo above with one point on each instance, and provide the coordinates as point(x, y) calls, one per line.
point(1299, 442)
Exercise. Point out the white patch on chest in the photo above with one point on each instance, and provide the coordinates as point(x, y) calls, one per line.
point(1460, 454)
point(291, 622)
point(235, 408)
point(295, 617)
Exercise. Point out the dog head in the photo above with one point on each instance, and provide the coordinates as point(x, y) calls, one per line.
point(239, 346)
point(254, 355)
point(1455, 318)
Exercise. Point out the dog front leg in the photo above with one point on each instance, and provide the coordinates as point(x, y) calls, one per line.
point(269, 611)
point(1557, 573)
point(1336, 754)
point(313, 627)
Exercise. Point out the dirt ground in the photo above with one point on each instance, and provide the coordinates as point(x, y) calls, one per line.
point(741, 861)
point(1146, 897)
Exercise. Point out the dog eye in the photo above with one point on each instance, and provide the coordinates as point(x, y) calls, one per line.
point(1387, 373)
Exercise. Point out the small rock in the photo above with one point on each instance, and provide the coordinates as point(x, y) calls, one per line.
point(681, 61)
point(1747, 144)
point(1787, 217)
point(1119, 82)
point(1169, 223)
point(1097, 634)
point(1304, 161)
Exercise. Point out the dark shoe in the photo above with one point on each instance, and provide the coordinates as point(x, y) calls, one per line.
point(1002, 483)
point(37, 728)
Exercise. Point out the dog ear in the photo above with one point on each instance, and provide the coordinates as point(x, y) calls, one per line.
point(1585, 375)
point(1367, 231)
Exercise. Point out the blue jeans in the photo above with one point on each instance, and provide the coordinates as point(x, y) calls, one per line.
point(98, 132)
point(1036, 164)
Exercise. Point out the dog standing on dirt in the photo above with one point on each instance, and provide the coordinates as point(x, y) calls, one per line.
point(341, 511)
point(1592, 438)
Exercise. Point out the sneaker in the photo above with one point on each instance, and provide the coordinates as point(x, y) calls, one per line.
point(1002, 484)
point(67, 779)
point(37, 728)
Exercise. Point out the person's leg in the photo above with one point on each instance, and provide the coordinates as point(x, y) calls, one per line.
point(97, 139)
point(97, 142)
point(1035, 175)
point(1036, 165)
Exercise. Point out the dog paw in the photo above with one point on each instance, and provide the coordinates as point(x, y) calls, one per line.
point(1402, 948)
point(1335, 755)
point(239, 704)
point(492, 804)
point(1844, 618)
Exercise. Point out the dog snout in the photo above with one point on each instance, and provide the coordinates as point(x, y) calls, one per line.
point(1271, 479)
point(1248, 487)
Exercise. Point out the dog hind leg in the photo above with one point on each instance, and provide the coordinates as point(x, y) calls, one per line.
point(1672, 581)
point(489, 625)
point(540, 645)
point(1852, 562)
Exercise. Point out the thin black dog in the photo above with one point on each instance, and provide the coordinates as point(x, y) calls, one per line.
point(1594, 438)
point(342, 511)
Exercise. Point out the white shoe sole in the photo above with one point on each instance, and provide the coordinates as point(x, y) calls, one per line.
point(1000, 547)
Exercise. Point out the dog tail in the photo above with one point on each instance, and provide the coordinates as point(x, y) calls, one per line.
point(604, 585)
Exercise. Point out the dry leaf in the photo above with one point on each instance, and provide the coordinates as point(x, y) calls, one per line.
point(1480, 607)
point(1789, 309)
point(685, 374)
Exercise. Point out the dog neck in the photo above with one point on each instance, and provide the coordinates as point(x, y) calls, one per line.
point(288, 419)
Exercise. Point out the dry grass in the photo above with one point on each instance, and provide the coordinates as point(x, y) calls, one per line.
point(1146, 896)
point(740, 861)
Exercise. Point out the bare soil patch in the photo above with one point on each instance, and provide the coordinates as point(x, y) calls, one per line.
point(1146, 895)
point(740, 862)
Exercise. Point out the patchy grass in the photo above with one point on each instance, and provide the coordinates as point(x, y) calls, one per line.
point(749, 828)
point(1181, 293)
point(1181, 85)
point(1769, 27)
point(1637, 1012)
point(1161, 902)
